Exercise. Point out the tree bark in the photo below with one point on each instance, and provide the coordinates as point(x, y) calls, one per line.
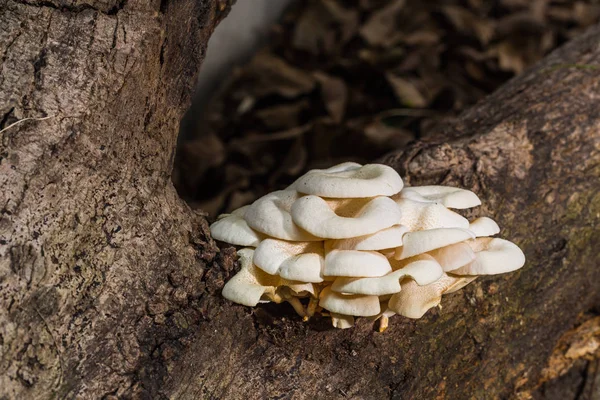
point(109, 283)
point(100, 261)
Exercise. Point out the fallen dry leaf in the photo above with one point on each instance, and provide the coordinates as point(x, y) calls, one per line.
point(354, 79)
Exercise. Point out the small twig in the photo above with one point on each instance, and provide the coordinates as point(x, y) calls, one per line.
point(26, 119)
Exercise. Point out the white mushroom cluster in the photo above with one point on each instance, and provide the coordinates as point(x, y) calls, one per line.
point(353, 242)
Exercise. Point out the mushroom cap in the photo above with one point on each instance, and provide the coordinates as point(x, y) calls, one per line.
point(355, 263)
point(387, 313)
point(413, 301)
point(251, 285)
point(356, 305)
point(271, 215)
point(299, 261)
point(453, 256)
point(341, 321)
point(384, 239)
point(298, 289)
point(484, 226)
point(423, 241)
point(448, 196)
point(232, 228)
point(423, 270)
point(460, 283)
point(240, 212)
point(350, 180)
point(419, 216)
point(493, 256)
point(315, 216)
point(304, 268)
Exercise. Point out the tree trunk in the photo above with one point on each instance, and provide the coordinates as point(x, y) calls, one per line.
point(100, 261)
point(109, 283)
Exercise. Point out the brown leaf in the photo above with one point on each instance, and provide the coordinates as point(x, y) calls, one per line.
point(525, 22)
point(317, 97)
point(468, 23)
point(425, 37)
point(509, 58)
point(406, 91)
point(381, 28)
point(475, 71)
point(391, 56)
point(586, 14)
point(314, 31)
point(385, 134)
point(293, 163)
point(273, 75)
point(240, 198)
point(334, 94)
point(282, 116)
point(243, 143)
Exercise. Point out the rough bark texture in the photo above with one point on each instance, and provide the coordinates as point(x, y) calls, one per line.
point(99, 258)
point(109, 284)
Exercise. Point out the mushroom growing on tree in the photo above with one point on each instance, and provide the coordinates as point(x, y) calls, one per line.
point(354, 241)
point(87, 189)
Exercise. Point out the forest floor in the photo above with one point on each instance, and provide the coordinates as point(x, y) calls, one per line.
point(354, 80)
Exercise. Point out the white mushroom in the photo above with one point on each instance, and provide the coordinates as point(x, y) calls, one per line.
point(271, 215)
point(298, 261)
point(249, 285)
point(232, 228)
point(341, 321)
point(356, 305)
point(423, 241)
point(484, 226)
point(314, 215)
point(350, 180)
point(354, 242)
point(424, 270)
point(419, 216)
point(354, 263)
point(413, 300)
point(252, 285)
point(493, 256)
point(384, 239)
point(450, 197)
point(453, 256)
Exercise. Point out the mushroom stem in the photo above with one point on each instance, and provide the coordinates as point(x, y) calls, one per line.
point(295, 302)
point(383, 323)
point(312, 307)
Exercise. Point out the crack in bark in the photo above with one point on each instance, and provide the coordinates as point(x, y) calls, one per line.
point(5, 118)
point(115, 35)
point(38, 64)
point(9, 45)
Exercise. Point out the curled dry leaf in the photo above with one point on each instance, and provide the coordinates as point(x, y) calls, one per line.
point(340, 70)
